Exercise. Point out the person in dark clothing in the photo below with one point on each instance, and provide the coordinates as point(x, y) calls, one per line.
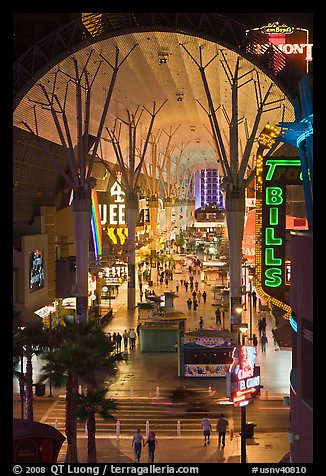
point(254, 340)
point(222, 424)
point(261, 326)
point(204, 296)
point(118, 338)
point(152, 443)
point(264, 341)
point(254, 299)
point(218, 316)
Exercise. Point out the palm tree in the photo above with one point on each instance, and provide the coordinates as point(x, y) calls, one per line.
point(102, 363)
point(27, 341)
point(82, 354)
point(87, 405)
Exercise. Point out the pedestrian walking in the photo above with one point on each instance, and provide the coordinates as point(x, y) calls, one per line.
point(196, 285)
point(195, 303)
point(194, 294)
point(189, 303)
point(218, 316)
point(141, 294)
point(114, 339)
point(201, 322)
point(186, 285)
point(221, 426)
point(254, 340)
point(206, 426)
point(132, 337)
point(125, 336)
point(118, 338)
point(198, 296)
point(138, 329)
point(204, 296)
point(261, 327)
point(264, 342)
point(137, 443)
point(177, 286)
point(254, 299)
point(152, 444)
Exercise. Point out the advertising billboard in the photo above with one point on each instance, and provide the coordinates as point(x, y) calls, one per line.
point(36, 270)
point(278, 42)
point(245, 375)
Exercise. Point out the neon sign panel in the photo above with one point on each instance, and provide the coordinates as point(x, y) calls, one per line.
point(272, 176)
point(285, 39)
point(245, 376)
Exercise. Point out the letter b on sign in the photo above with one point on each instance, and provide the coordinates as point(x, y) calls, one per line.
point(274, 196)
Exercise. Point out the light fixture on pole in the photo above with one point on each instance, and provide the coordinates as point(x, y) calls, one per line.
point(21, 380)
point(243, 329)
point(163, 57)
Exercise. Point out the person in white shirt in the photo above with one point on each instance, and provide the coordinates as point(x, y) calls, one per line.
point(132, 337)
point(207, 426)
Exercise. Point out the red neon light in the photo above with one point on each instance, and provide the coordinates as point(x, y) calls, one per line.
point(245, 373)
point(239, 399)
point(244, 392)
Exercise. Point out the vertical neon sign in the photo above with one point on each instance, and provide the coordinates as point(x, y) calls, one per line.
point(270, 223)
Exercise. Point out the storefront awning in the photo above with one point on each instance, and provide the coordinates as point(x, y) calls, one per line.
point(24, 317)
point(283, 335)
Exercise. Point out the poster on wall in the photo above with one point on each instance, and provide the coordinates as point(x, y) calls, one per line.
point(36, 270)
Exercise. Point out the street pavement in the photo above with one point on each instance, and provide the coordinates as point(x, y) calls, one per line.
point(149, 377)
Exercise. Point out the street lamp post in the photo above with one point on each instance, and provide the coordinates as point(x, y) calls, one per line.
point(21, 386)
point(243, 434)
point(243, 329)
point(239, 310)
point(50, 379)
point(21, 380)
point(250, 311)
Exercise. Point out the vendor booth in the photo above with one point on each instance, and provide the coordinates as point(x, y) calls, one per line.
point(35, 442)
point(206, 353)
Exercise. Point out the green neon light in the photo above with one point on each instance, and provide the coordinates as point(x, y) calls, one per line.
point(273, 276)
point(270, 259)
point(270, 239)
point(273, 216)
point(274, 196)
point(273, 163)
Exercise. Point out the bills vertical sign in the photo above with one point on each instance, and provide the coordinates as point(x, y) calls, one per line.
point(278, 172)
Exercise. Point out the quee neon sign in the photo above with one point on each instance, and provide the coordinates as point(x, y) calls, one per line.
point(113, 212)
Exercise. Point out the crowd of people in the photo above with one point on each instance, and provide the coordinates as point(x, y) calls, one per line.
point(128, 338)
point(196, 295)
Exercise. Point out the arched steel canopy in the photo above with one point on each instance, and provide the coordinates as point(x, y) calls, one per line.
point(142, 81)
